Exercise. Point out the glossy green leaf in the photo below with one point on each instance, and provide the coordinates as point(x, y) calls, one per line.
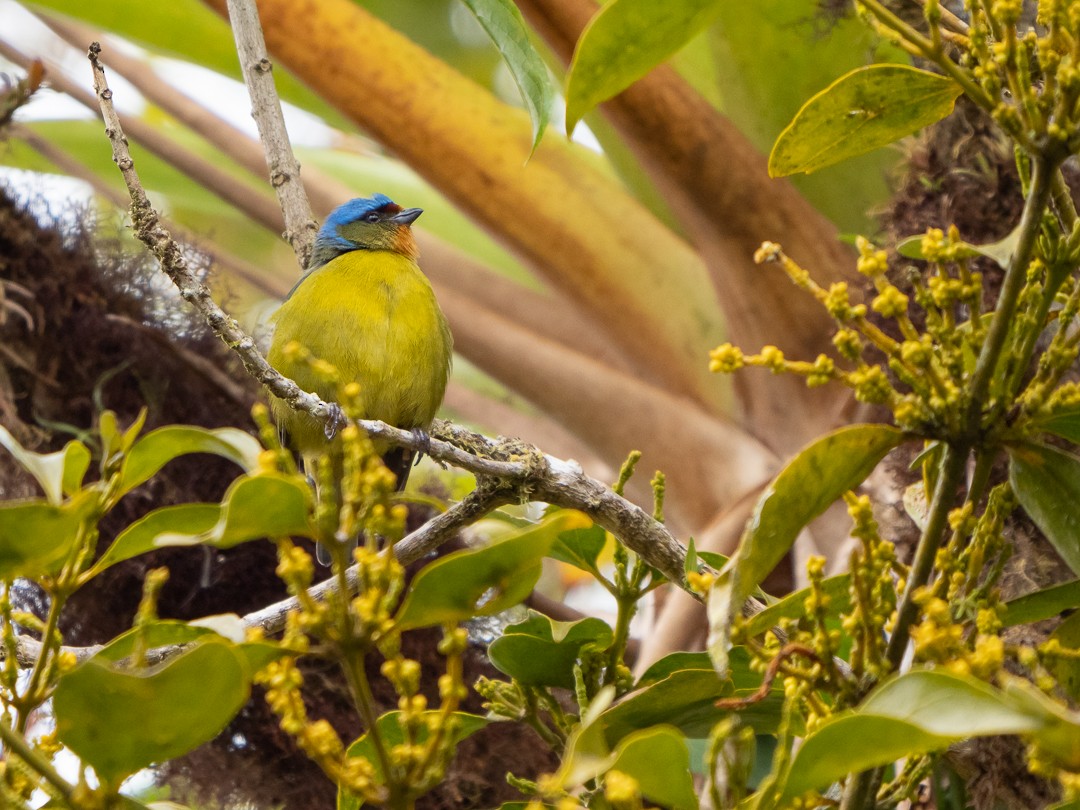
point(804, 489)
point(587, 753)
point(624, 41)
point(1000, 251)
point(158, 447)
point(114, 439)
point(483, 581)
point(840, 747)
point(35, 536)
point(163, 633)
point(686, 699)
point(60, 473)
point(506, 27)
point(1064, 422)
point(580, 547)
point(869, 107)
point(674, 662)
point(266, 505)
point(121, 722)
point(391, 734)
point(139, 537)
point(169, 632)
point(713, 559)
point(924, 711)
point(691, 563)
point(949, 705)
point(659, 759)
point(542, 652)
point(1047, 484)
point(1042, 604)
point(793, 605)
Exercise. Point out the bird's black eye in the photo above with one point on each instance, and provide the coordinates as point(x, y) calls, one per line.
point(372, 217)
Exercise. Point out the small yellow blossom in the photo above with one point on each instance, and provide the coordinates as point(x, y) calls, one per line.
point(891, 303)
point(768, 252)
point(725, 359)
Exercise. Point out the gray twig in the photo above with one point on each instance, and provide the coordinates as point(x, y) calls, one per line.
point(300, 226)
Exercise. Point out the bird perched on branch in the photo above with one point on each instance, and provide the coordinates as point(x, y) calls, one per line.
point(364, 306)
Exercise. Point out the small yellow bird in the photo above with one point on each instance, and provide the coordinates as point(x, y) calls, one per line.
point(365, 306)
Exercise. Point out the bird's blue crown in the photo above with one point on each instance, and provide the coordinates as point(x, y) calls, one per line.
point(351, 212)
point(329, 241)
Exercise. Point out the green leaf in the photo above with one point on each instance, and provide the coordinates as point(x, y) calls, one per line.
point(269, 504)
point(1000, 251)
point(673, 662)
point(1063, 422)
point(60, 473)
point(587, 753)
point(1047, 484)
point(687, 699)
point(624, 41)
point(840, 746)
point(804, 489)
point(793, 605)
point(867, 108)
point(659, 759)
point(390, 733)
point(949, 705)
point(162, 633)
point(140, 536)
point(169, 632)
point(691, 564)
point(120, 722)
point(542, 652)
point(1042, 604)
point(506, 27)
point(481, 582)
point(916, 713)
point(580, 547)
point(158, 447)
point(35, 536)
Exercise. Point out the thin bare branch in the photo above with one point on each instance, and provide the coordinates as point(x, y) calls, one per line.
point(300, 225)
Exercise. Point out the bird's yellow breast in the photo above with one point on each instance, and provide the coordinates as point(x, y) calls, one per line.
point(373, 315)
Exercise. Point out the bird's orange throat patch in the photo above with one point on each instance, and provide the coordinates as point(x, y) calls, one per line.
point(405, 243)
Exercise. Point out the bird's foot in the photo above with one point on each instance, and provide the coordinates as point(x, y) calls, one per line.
point(335, 420)
point(423, 440)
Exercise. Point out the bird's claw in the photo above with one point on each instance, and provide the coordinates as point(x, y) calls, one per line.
point(335, 420)
point(423, 440)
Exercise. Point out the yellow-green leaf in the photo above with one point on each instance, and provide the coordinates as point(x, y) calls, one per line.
point(122, 721)
point(506, 27)
point(624, 41)
point(867, 108)
point(1047, 484)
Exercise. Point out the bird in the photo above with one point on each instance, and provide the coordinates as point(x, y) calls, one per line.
point(364, 305)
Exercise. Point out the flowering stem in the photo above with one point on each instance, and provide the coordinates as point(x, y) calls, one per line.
point(17, 745)
point(1015, 275)
point(950, 475)
point(860, 788)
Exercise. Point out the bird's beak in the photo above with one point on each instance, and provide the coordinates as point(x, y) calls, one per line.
point(407, 217)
